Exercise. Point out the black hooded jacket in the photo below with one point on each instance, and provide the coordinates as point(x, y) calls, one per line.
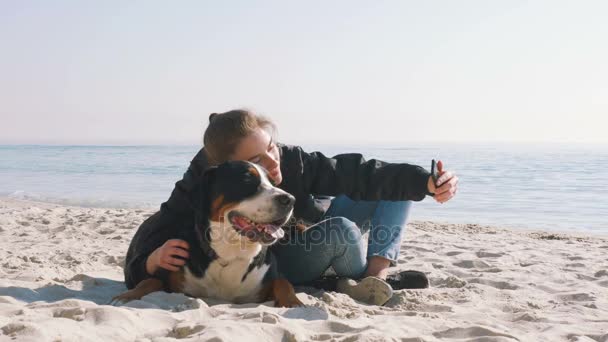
point(305, 175)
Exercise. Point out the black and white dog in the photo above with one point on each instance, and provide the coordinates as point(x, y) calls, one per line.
point(239, 214)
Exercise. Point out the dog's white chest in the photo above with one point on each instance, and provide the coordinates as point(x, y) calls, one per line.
point(226, 282)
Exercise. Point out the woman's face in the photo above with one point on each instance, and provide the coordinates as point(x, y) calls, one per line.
point(259, 148)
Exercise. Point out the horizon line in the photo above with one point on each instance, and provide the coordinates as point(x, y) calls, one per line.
point(322, 143)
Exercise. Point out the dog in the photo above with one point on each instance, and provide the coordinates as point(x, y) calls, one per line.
point(238, 216)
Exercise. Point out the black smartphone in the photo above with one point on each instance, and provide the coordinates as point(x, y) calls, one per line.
point(434, 172)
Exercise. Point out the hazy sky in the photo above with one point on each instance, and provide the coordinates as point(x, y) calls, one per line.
point(129, 72)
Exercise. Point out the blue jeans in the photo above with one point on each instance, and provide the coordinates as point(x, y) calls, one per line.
point(336, 240)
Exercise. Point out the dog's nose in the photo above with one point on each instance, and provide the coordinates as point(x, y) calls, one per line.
point(285, 200)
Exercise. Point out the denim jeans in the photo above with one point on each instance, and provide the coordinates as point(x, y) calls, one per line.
point(336, 240)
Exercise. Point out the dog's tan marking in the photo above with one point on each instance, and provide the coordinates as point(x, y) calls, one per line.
point(218, 216)
point(217, 203)
point(218, 208)
point(176, 281)
point(254, 171)
point(283, 294)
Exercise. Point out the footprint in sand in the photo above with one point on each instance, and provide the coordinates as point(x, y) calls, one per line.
point(115, 260)
point(270, 318)
point(602, 273)
point(342, 328)
point(491, 270)
point(501, 285)
point(584, 277)
point(59, 229)
point(482, 254)
point(529, 317)
point(450, 282)
point(577, 297)
point(12, 329)
point(471, 264)
point(76, 314)
point(184, 330)
point(474, 331)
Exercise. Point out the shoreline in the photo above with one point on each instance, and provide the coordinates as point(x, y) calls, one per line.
point(4, 200)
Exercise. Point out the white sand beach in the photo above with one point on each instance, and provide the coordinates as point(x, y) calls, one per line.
point(59, 266)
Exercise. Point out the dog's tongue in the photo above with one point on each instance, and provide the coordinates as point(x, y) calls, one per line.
point(242, 223)
point(274, 231)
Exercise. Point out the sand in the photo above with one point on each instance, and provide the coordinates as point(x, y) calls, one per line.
point(60, 266)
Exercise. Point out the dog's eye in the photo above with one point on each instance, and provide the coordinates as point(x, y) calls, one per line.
point(251, 178)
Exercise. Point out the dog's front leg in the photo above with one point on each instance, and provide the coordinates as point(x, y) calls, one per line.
point(144, 287)
point(283, 294)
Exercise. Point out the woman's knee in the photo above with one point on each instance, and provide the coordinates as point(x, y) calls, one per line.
point(392, 213)
point(343, 231)
point(349, 258)
point(334, 231)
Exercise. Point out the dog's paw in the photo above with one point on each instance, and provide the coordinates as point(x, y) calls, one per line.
point(124, 298)
point(290, 302)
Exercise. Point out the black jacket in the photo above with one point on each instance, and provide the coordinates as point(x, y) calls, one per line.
point(304, 175)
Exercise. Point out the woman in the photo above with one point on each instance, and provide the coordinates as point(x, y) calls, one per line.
point(370, 195)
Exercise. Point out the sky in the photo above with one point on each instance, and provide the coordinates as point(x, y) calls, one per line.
point(365, 72)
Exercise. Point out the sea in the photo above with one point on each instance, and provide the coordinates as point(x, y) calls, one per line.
point(556, 187)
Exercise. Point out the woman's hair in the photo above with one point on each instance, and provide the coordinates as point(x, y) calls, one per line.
point(226, 130)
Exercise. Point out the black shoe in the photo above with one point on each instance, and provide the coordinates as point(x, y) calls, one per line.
point(408, 280)
point(327, 283)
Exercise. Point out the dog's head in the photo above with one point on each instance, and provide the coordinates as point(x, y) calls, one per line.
point(238, 200)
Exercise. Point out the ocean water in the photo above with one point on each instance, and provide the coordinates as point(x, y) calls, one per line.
point(551, 187)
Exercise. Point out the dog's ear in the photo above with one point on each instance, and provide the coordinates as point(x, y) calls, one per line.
point(200, 202)
point(199, 198)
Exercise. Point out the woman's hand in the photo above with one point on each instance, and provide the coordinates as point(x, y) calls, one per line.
point(447, 184)
point(167, 256)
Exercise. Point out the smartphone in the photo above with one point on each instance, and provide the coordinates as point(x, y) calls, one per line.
point(434, 172)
